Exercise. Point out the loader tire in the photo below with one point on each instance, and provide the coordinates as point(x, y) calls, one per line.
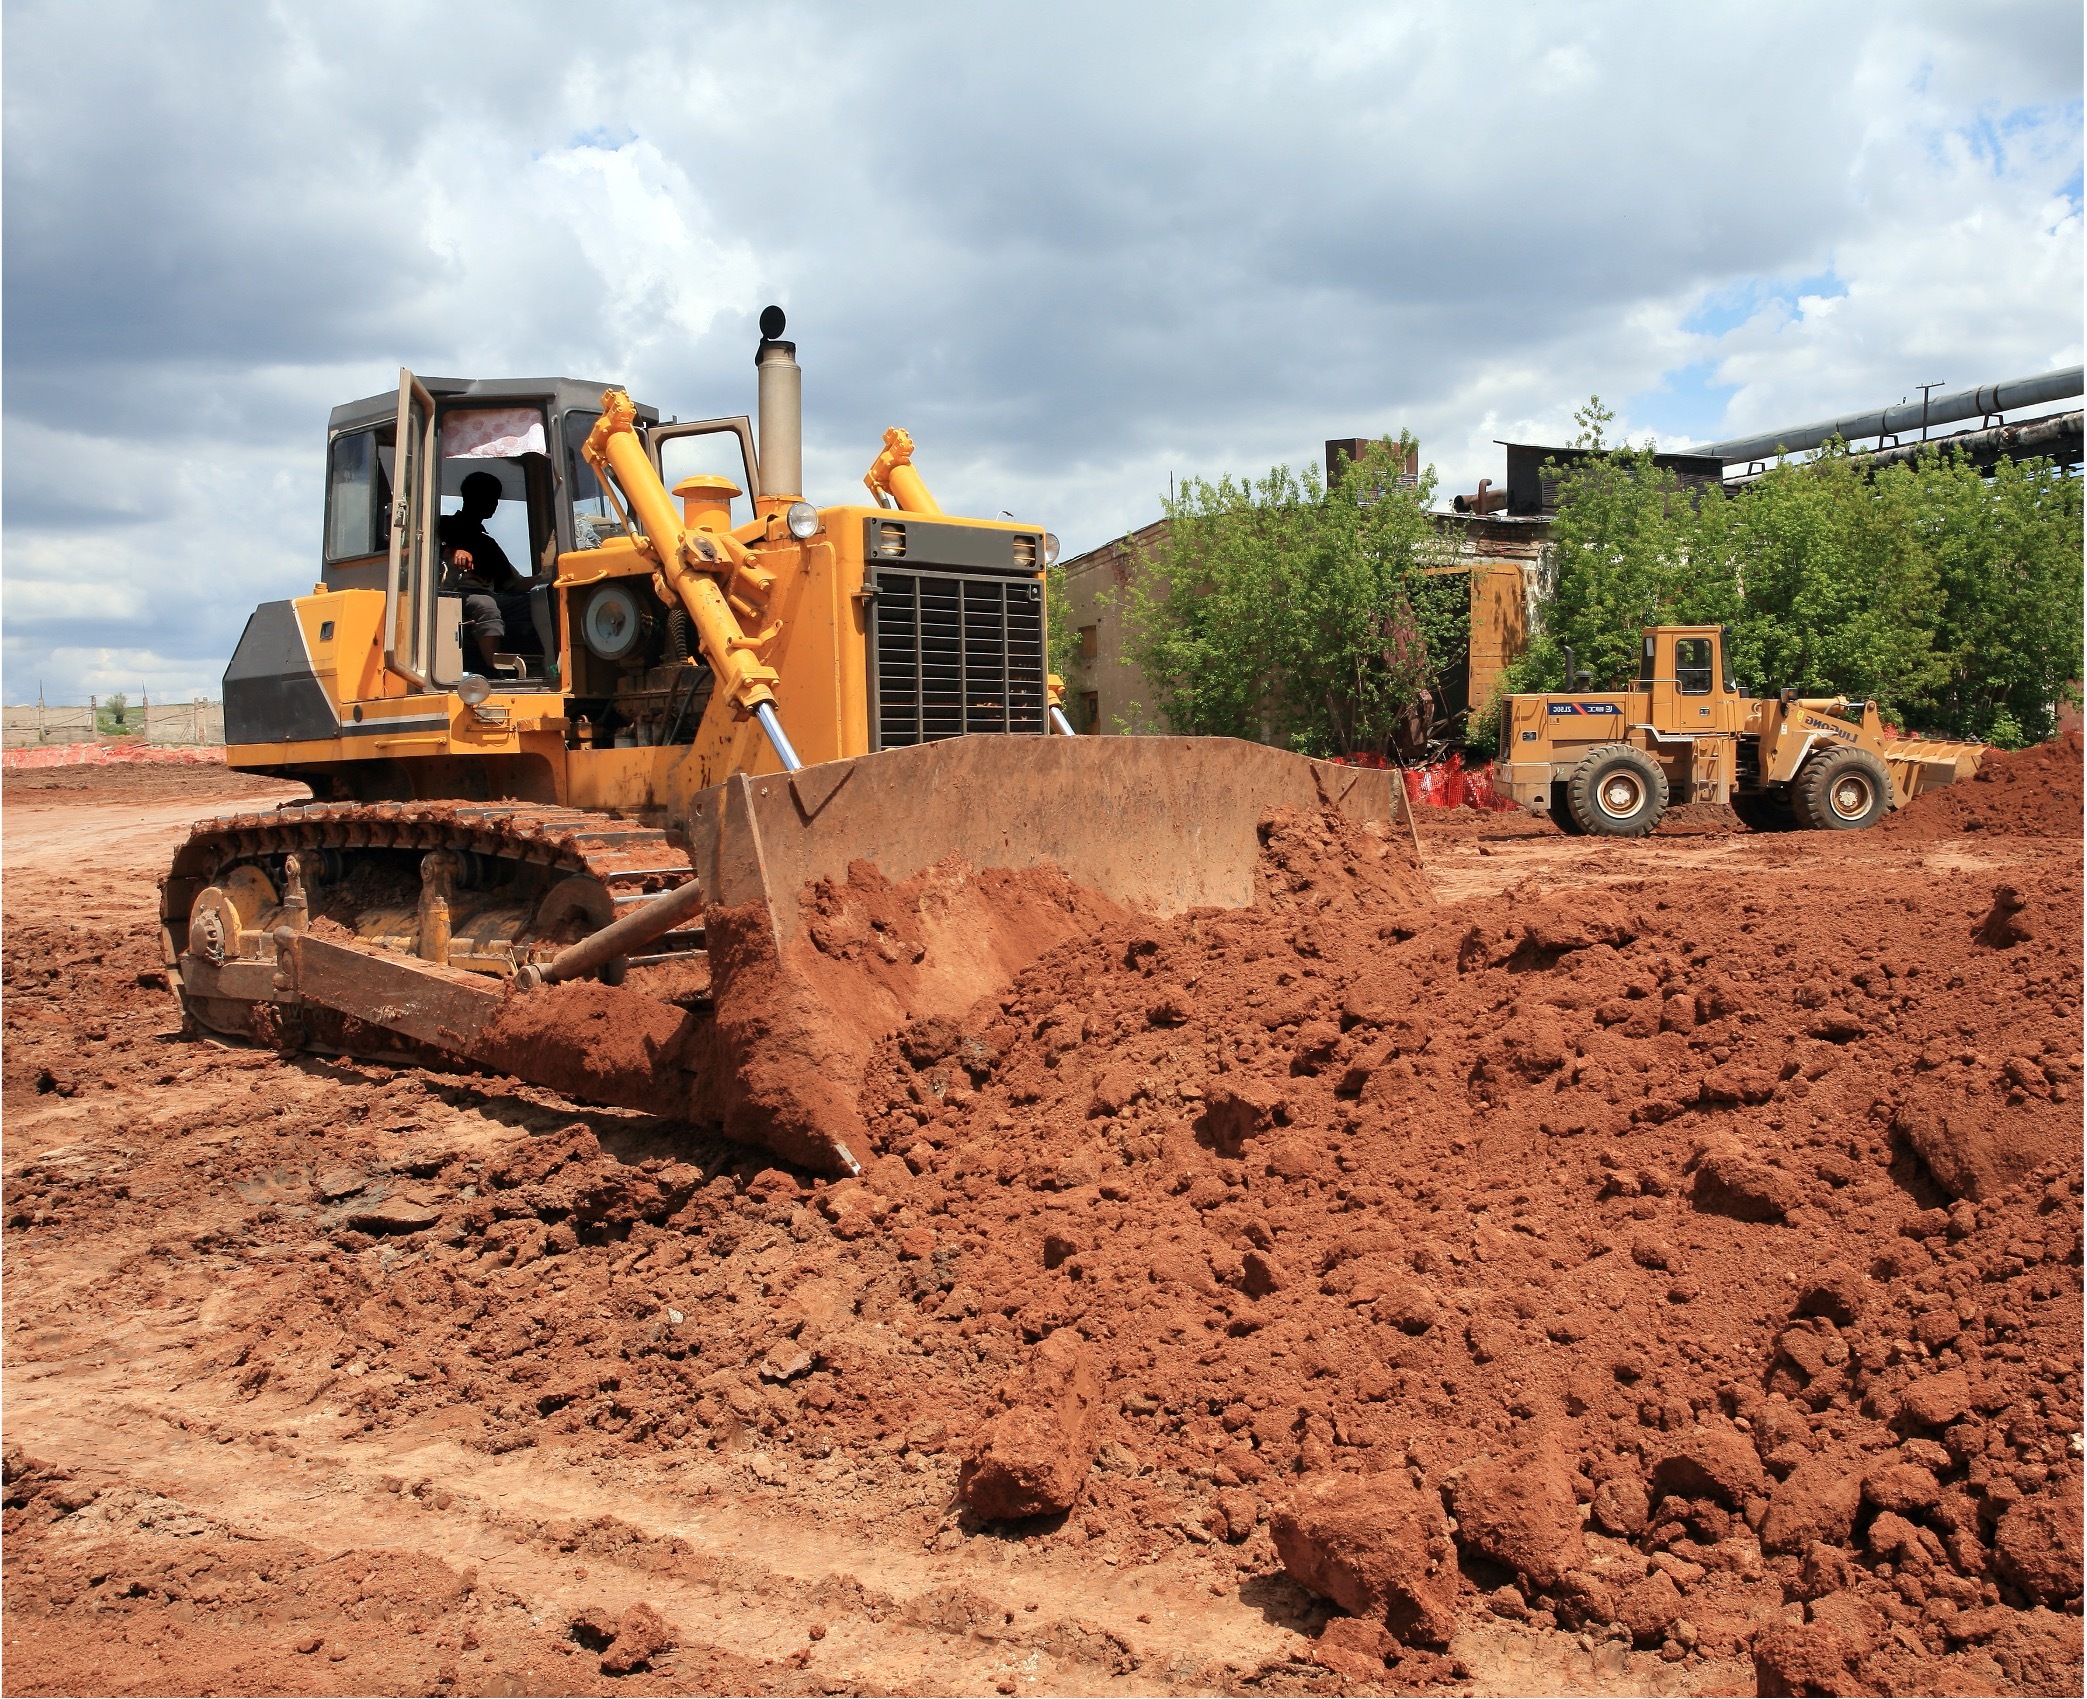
point(1841, 790)
point(1561, 811)
point(1617, 792)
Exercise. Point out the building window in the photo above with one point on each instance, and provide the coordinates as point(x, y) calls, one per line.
point(1090, 708)
point(1090, 642)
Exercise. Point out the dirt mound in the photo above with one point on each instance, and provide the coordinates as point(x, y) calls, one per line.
point(1710, 1253)
point(2033, 792)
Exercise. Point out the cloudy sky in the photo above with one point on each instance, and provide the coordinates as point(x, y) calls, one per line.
point(1074, 248)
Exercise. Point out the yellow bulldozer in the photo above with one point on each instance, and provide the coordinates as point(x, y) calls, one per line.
point(618, 747)
point(1612, 762)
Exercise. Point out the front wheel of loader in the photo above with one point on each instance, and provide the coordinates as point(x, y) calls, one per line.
point(1841, 790)
point(1617, 792)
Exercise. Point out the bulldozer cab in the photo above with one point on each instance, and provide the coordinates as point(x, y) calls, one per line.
point(1685, 673)
point(395, 470)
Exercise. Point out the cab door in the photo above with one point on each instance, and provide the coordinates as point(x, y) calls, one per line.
point(1684, 683)
point(409, 580)
point(713, 447)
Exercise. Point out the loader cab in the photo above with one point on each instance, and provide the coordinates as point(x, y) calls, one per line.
point(1685, 671)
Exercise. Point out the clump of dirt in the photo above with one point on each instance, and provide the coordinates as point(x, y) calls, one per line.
point(798, 1015)
point(2034, 792)
point(1699, 820)
point(1527, 1198)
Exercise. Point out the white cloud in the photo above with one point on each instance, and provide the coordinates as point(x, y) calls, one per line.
point(1073, 250)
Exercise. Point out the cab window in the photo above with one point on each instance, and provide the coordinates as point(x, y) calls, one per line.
point(358, 493)
point(508, 443)
point(593, 520)
point(1692, 665)
point(709, 454)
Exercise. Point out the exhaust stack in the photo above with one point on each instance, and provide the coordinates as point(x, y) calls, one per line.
point(779, 388)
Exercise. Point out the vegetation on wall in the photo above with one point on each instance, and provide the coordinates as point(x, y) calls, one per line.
point(1951, 599)
point(1285, 611)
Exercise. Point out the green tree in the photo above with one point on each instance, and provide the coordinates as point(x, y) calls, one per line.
point(2006, 552)
point(1625, 556)
point(1061, 639)
point(1282, 610)
point(1828, 582)
point(1950, 598)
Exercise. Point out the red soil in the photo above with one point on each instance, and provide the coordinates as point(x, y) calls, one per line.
point(2033, 792)
point(1708, 1248)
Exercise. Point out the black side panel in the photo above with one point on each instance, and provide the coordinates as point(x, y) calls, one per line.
point(271, 693)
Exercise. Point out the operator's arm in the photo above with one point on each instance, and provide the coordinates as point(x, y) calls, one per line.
point(473, 559)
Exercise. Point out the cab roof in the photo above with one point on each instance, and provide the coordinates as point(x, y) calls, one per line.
point(562, 394)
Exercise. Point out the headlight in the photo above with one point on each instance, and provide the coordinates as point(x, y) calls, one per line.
point(802, 519)
point(1050, 549)
point(472, 689)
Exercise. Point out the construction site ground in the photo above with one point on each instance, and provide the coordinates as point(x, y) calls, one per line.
point(1696, 1220)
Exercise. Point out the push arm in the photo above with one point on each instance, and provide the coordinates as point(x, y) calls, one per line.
point(893, 474)
point(700, 568)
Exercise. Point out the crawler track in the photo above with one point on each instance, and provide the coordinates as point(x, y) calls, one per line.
point(512, 855)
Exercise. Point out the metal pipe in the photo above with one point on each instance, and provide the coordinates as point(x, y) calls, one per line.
point(2051, 436)
point(1059, 720)
point(779, 384)
point(619, 938)
point(1977, 403)
point(772, 724)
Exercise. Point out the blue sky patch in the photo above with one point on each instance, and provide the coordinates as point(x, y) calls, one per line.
point(1687, 402)
point(1725, 310)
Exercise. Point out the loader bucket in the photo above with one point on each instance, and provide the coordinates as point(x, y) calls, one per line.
point(850, 898)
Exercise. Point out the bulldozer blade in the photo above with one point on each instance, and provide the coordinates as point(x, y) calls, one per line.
point(1157, 825)
point(846, 900)
point(853, 897)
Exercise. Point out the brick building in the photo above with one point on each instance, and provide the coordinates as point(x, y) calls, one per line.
point(1504, 555)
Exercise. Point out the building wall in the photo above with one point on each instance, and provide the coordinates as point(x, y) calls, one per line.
point(1508, 561)
point(1106, 692)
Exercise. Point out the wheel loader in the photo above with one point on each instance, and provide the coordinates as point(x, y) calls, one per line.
point(1611, 763)
point(643, 841)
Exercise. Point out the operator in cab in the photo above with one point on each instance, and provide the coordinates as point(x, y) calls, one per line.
point(497, 598)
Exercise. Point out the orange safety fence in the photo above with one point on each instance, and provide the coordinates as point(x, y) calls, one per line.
point(1443, 784)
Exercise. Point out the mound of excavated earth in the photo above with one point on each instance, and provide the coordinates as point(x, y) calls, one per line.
point(2021, 792)
point(1677, 1270)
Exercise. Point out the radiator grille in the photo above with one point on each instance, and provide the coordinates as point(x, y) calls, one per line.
point(951, 655)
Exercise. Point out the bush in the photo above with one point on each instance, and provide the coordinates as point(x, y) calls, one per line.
point(1291, 613)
